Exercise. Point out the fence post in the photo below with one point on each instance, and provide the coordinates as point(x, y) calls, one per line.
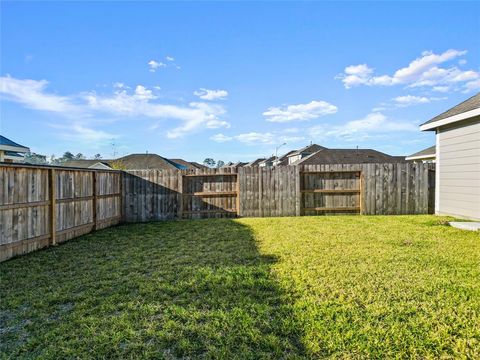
point(180, 194)
point(238, 192)
point(94, 201)
point(122, 194)
point(52, 193)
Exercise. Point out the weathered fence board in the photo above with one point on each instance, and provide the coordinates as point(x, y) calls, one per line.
point(42, 206)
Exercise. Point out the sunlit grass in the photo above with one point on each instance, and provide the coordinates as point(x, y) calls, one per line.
point(341, 287)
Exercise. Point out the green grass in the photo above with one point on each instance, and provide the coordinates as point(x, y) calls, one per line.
point(305, 287)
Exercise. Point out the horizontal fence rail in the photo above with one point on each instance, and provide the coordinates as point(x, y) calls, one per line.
point(42, 206)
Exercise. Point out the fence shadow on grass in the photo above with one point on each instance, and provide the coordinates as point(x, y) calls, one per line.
point(157, 290)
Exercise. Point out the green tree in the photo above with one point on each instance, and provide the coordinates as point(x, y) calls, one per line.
point(209, 162)
point(220, 163)
point(97, 157)
point(33, 158)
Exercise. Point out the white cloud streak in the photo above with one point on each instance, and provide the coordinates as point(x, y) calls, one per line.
point(141, 102)
point(207, 94)
point(299, 112)
point(424, 71)
point(359, 130)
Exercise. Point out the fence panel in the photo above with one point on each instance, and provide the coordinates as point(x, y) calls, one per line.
point(42, 206)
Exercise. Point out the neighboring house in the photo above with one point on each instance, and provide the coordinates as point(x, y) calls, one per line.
point(10, 151)
point(425, 155)
point(349, 156)
point(267, 162)
point(198, 165)
point(100, 166)
point(129, 162)
point(187, 164)
point(283, 160)
point(457, 175)
point(255, 162)
point(295, 156)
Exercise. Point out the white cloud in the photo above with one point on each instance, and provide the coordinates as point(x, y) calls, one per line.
point(472, 85)
point(207, 94)
point(258, 138)
point(140, 102)
point(194, 117)
point(362, 129)
point(299, 112)
point(424, 71)
point(169, 58)
point(31, 93)
point(154, 65)
point(221, 138)
point(407, 100)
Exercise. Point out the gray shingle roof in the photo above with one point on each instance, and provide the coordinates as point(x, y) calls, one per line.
point(255, 162)
point(428, 152)
point(308, 149)
point(349, 156)
point(130, 162)
point(468, 105)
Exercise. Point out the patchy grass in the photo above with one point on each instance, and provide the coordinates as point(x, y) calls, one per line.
point(309, 287)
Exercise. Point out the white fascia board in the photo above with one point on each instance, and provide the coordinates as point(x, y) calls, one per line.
point(19, 149)
point(450, 119)
point(432, 156)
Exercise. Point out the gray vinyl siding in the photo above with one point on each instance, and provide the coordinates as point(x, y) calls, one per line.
point(459, 169)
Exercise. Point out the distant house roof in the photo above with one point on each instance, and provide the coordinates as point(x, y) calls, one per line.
point(428, 153)
point(270, 159)
point(198, 165)
point(283, 160)
point(129, 162)
point(82, 163)
point(9, 145)
point(465, 110)
point(255, 162)
point(185, 164)
point(101, 165)
point(310, 149)
point(348, 156)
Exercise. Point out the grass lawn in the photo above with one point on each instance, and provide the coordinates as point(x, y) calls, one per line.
point(303, 287)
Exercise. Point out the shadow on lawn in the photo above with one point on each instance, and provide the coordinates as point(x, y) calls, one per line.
point(159, 290)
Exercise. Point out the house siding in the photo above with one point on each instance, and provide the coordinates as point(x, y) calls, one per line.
point(458, 173)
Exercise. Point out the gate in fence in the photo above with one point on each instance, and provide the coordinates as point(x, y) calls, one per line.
point(331, 192)
point(209, 195)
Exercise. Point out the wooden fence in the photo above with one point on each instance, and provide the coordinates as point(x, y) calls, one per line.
point(42, 206)
point(381, 189)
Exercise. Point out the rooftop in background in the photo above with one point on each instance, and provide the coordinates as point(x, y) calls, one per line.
point(428, 153)
point(349, 156)
point(467, 107)
point(135, 162)
point(9, 145)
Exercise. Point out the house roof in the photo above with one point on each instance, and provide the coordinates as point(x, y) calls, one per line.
point(83, 163)
point(129, 162)
point(198, 165)
point(255, 162)
point(425, 153)
point(468, 107)
point(348, 156)
point(271, 158)
point(7, 144)
point(283, 160)
point(184, 163)
point(307, 149)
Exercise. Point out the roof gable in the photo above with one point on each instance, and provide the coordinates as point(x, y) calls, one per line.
point(469, 105)
point(7, 144)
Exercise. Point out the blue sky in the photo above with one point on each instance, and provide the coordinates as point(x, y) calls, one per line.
point(232, 80)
